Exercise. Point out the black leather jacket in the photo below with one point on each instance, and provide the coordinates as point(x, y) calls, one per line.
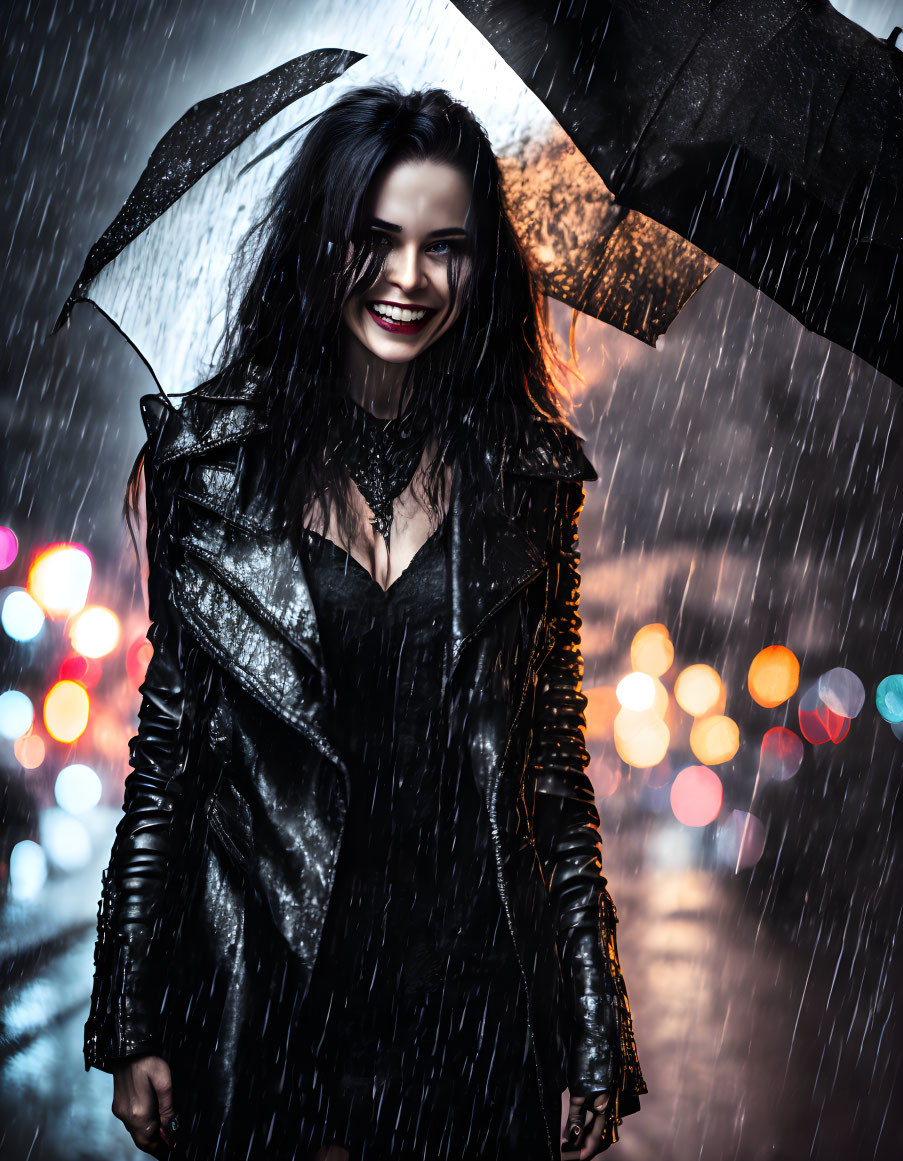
point(238, 792)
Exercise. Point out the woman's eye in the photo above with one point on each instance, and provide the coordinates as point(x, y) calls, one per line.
point(447, 246)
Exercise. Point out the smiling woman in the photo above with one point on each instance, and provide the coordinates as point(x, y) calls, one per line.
point(356, 908)
point(432, 191)
point(412, 303)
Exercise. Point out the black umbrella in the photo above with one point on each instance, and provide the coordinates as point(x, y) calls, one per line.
point(671, 134)
point(769, 134)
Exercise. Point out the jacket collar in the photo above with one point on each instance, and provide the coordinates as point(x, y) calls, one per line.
point(489, 562)
point(207, 422)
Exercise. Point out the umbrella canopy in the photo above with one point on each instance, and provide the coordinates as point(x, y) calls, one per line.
point(768, 134)
point(160, 271)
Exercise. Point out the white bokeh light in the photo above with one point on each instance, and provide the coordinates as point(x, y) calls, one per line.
point(27, 870)
point(94, 632)
point(21, 616)
point(65, 840)
point(636, 691)
point(77, 788)
point(16, 714)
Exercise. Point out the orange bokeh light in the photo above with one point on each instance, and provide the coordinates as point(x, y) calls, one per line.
point(601, 709)
point(774, 676)
point(641, 738)
point(698, 689)
point(714, 738)
point(30, 751)
point(66, 710)
point(651, 650)
point(661, 702)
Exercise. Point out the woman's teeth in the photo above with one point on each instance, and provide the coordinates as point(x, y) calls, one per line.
point(396, 314)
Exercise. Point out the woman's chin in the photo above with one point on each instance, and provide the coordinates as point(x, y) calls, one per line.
point(393, 350)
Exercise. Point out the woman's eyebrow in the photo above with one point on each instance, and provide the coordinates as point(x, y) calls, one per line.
point(445, 231)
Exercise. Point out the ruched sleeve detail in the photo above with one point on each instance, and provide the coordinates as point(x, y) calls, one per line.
point(124, 1015)
point(602, 1051)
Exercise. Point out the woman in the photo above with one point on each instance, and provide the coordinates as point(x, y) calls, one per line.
point(355, 906)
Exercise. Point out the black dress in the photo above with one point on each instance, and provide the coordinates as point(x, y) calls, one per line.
point(415, 1022)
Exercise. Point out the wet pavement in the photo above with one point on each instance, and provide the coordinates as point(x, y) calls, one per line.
point(749, 1044)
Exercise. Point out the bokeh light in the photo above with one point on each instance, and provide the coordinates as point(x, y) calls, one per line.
point(818, 723)
point(77, 788)
point(9, 546)
point(774, 676)
point(21, 616)
point(141, 651)
point(697, 689)
point(651, 650)
point(636, 691)
point(59, 579)
point(780, 755)
point(641, 739)
point(81, 669)
point(889, 698)
point(605, 776)
point(66, 709)
point(714, 739)
point(740, 841)
point(696, 796)
point(65, 840)
point(94, 632)
point(27, 870)
point(842, 692)
point(16, 714)
point(661, 702)
point(30, 751)
point(109, 735)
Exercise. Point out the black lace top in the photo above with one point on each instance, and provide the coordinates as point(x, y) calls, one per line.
point(417, 965)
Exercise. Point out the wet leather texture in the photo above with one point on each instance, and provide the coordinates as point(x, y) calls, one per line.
point(216, 895)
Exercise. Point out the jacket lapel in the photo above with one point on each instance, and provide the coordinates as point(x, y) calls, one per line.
point(244, 588)
point(488, 564)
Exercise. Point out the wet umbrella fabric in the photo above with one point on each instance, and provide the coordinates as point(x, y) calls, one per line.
point(159, 272)
point(768, 134)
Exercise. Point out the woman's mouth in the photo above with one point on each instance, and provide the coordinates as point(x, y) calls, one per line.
point(400, 320)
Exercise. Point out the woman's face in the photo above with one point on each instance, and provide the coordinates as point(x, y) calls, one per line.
point(418, 215)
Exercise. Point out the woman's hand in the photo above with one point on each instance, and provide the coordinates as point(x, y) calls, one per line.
point(142, 1100)
point(582, 1140)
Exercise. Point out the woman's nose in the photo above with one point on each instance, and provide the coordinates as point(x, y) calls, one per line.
point(407, 270)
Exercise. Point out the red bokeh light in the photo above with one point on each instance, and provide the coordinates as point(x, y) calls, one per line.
point(696, 796)
point(82, 669)
point(781, 754)
point(818, 724)
point(137, 659)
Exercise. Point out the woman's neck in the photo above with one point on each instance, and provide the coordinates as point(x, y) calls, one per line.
point(373, 383)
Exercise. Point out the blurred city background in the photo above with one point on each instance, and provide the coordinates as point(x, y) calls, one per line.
point(741, 561)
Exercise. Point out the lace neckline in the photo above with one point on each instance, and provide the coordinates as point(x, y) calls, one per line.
point(381, 456)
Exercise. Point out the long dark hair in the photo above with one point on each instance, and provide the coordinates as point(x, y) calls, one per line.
point(471, 390)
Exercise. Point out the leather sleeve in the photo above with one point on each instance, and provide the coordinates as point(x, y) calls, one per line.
point(127, 992)
point(602, 1051)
